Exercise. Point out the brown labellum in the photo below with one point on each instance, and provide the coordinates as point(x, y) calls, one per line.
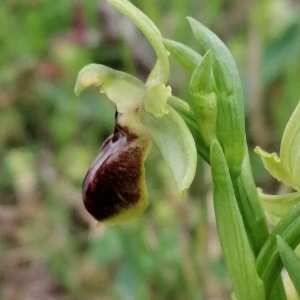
point(114, 188)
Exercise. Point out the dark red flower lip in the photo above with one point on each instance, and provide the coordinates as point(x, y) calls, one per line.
point(114, 183)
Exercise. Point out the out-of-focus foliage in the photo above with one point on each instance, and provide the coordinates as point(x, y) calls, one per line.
point(50, 248)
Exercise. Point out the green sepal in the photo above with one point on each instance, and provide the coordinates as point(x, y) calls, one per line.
point(157, 93)
point(124, 90)
point(177, 146)
point(279, 205)
point(287, 167)
point(152, 34)
point(178, 103)
point(236, 250)
point(268, 263)
point(189, 120)
point(291, 262)
point(186, 56)
point(230, 118)
point(204, 99)
point(275, 167)
point(290, 146)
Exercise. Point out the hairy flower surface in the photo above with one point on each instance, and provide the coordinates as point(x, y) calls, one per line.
point(115, 181)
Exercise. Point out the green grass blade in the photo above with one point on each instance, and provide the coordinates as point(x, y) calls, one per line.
point(236, 249)
point(291, 262)
point(269, 264)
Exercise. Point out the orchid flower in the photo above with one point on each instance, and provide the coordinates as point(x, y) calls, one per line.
point(285, 168)
point(114, 189)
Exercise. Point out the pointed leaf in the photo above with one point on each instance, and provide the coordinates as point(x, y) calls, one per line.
point(176, 144)
point(273, 164)
point(230, 118)
point(204, 99)
point(186, 56)
point(291, 262)
point(202, 78)
point(236, 250)
point(227, 77)
point(268, 263)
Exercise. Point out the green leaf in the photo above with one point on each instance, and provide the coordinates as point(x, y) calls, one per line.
point(186, 56)
point(291, 261)
point(268, 263)
point(236, 250)
point(177, 146)
point(204, 99)
point(275, 167)
point(230, 117)
point(279, 205)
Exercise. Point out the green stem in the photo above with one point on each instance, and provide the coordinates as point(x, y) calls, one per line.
point(247, 198)
point(245, 191)
point(254, 218)
point(249, 205)
point(202, 149)
point(268, 263)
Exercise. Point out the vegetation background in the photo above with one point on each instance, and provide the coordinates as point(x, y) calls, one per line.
point(50, 248)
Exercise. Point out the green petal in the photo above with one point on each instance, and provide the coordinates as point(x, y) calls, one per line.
point(156, 96)
point(290, 145)
point(176, 144)
point(155, 100)
point(274, 165)
point(279, 205)
point(124, 90)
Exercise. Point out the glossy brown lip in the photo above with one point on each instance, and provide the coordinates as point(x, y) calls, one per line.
point(112, 183)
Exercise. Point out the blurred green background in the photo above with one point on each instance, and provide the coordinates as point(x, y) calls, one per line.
point(50, 248)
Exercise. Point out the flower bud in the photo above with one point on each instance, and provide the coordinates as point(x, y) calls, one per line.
point(230, 123)
point(204, 99)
